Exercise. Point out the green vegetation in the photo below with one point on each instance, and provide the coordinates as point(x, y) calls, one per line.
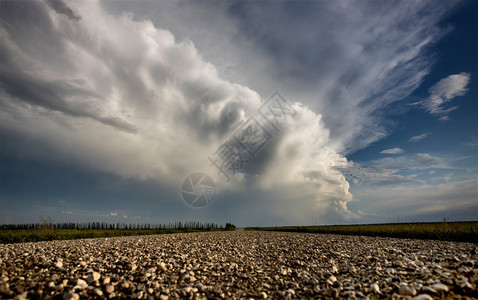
point(454, 231)
point(47, 231)
point(230, 227)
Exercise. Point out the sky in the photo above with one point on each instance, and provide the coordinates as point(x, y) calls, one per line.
point(298, 112)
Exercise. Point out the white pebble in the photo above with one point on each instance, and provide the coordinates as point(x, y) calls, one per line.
point(374, 288)
point(422, 297)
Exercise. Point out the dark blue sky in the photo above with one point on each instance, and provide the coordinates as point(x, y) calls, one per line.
point(106, 107)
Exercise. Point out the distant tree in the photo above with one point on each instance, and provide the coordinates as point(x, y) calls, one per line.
point(230, 226)
point(46, 223)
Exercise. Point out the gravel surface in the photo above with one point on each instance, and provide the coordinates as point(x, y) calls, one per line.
point(239, 264)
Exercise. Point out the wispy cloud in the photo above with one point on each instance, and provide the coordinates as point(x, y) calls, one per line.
point(387, 171)
point(443, 92)
point(393, 151)
point(420, 137)
point(429, 202)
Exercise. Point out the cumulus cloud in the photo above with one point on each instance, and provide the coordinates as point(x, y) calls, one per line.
point(442, 92)
point(393, 151)
point(419, 137)
point(347, 70)
point(118, 95)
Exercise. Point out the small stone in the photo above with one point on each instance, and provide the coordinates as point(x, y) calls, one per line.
point(192, 279)
point(375, 288)
point(397, 263)
point(466, 286)
point(162, 266)
point(109, 288)
point(163, 297)
point(106, 280)
point(93, 277)
point(124, 284)
point(98, 292)
point(291, 292)
point(82, 263)
point(440, 287)
point(59, 264)
point(406, 290)
point(263, 295)
point(81, 282)
point(422, 297)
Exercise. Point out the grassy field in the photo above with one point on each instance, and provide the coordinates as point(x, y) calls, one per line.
point(21, 236)
point(445, 231)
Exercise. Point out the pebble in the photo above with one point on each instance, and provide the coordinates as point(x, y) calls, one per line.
point(162, 266)
point(95, 276)
point(98, 292)
point(374, 288)
point(440, 287)
point(81, 282)
point(238, 265)
point(422, 297)
point(109, 288)
point(406, 290)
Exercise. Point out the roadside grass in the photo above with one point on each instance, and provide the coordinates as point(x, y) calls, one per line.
point(22, 236)
point(443, 231)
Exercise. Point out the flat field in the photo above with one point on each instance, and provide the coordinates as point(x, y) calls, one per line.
point(443, 231)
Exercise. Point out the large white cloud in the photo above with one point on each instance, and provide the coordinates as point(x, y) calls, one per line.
point(345, 60)
point(123, 96)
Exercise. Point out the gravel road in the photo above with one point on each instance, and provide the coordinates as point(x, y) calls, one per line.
point(239, 264)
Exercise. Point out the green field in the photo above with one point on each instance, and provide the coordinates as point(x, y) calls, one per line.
point(21, 236)
point(444, 231)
